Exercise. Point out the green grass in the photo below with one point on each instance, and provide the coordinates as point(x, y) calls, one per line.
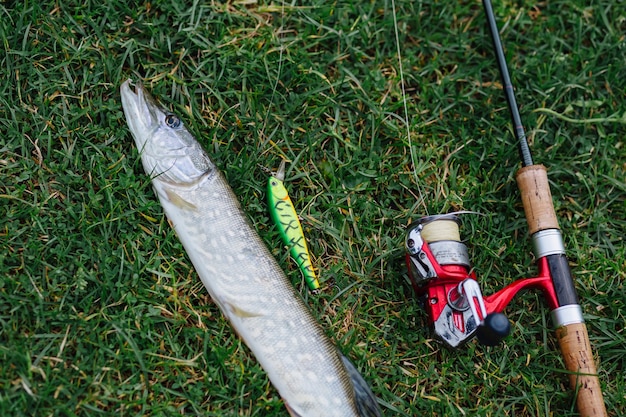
point(101, 312)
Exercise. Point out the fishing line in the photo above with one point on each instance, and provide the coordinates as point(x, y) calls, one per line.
point(280, 68)
point(440, 227)
point(405, 105)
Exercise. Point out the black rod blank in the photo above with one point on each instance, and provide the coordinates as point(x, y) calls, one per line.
point(507, 87)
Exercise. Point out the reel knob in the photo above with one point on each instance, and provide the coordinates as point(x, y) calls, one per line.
point(494, 328)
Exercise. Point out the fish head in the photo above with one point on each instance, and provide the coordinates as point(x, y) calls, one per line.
point(276, 188)
point(168, 151)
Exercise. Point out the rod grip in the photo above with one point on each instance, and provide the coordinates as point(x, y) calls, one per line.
point(576, 349)
point(536, 198)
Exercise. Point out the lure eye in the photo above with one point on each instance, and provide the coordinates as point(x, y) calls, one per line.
point(172, 121)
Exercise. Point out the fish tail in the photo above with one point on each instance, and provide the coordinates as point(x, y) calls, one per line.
point(366, 403)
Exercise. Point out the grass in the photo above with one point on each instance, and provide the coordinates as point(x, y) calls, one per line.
point(101, 312)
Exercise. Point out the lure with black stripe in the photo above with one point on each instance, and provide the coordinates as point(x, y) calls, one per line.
point(286, 219)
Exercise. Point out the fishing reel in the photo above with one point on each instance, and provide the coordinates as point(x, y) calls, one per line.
point(441, 274)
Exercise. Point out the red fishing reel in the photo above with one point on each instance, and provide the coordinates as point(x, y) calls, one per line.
point(441, 274)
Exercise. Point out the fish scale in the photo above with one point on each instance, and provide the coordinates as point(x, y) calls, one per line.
point(239, 272)
point(252, 293)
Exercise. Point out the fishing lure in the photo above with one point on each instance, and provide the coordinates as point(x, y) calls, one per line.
point(286, 219)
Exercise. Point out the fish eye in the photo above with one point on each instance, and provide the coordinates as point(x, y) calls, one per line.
point(172, 121)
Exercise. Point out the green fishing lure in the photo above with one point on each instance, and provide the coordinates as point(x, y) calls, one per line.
point(286, 219)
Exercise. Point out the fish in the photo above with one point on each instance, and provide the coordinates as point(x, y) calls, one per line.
point(286, 219)
point(313, 378)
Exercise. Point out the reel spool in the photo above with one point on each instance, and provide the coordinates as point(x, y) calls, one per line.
point(444, 239)
point(441, 235)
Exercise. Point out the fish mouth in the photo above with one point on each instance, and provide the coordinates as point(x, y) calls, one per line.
point(141, 111)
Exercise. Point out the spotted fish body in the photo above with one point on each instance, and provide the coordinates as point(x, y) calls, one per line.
point(286, 219)
point(240, 274)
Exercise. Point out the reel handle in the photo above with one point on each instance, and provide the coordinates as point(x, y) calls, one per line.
point(494, 328)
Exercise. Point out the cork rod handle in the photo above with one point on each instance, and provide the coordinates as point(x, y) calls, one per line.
point(576, 350)
point(573, 338)
point(536, 198)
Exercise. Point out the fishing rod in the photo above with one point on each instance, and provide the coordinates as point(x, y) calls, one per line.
point(440, 270)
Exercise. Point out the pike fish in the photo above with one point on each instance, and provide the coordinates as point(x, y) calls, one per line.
point(313, 378)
